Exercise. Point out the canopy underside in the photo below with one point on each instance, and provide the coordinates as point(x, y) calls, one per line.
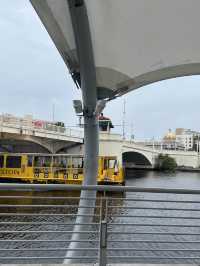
point(135, 42)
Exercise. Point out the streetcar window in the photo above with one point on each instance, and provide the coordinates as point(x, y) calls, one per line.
point(63, 162)
point(47, 161)
point(59, 162)
point(105, 164)
point(55, 161)
point(77, 162)
point(30, 161)
point(68, 161)
point(13, 162)
point(1, 161)
point(111, 163)
point(42, 161)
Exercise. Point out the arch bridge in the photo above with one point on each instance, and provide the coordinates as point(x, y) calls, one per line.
point(28, 135)
point(21, 135)
point(133, 155)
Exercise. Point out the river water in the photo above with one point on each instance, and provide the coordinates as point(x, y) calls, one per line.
point(137, 178)
point(140, 178)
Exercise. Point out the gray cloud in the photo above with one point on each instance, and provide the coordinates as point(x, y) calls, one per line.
point(33, 77)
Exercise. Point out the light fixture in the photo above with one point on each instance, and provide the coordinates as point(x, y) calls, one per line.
point(78, 107)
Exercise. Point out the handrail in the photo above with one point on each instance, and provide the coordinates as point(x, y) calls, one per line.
point(31, 124)
point(151, 225)
point(68, 187)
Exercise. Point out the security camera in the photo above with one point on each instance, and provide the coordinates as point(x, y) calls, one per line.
point(101, 104)
point(78, 107)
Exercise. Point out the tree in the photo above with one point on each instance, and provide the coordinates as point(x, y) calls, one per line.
point(166, 163)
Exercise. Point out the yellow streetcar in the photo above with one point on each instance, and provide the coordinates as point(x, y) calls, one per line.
point(56, 168)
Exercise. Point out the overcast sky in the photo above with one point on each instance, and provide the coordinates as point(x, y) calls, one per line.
point(33, 78)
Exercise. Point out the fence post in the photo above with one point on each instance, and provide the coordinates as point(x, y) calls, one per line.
point(103, 244)
point(103, 231)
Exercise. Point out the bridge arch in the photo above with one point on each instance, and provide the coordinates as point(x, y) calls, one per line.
point(75, 148)
point(132, 159)
point(23, 145)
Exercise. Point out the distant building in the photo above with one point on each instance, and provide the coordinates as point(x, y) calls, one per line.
point(170, 142)
point(186, 139)
point(181, 139)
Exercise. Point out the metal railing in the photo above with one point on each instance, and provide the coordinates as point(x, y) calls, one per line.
point(37, 125)
point(31, 125)
point(129, 225)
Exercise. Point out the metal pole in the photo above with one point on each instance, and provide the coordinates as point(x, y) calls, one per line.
point(103, 231)
point(81, 28)
point(103, 244)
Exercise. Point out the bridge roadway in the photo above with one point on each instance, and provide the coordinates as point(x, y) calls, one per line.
point(26, 134)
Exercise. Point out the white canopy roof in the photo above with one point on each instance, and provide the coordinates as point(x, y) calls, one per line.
point(135, 42)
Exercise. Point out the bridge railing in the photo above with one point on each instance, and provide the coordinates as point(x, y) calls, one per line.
point(129, 225)
point(39, 125)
